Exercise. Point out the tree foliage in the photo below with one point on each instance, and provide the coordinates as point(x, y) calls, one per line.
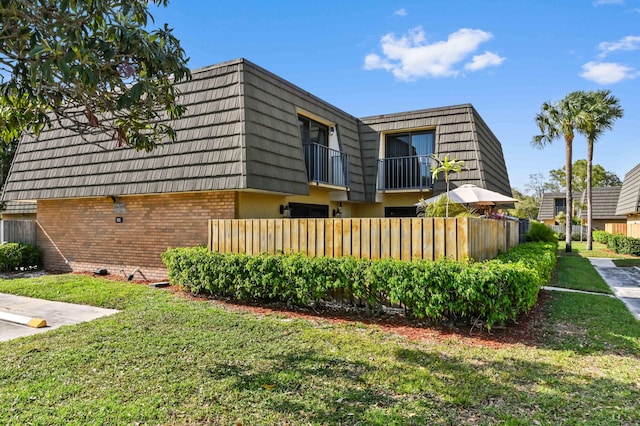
point(559, 121)
point(90, 66)
point(599, 111)
point(445, 166)
point(527, 208)
point(601, 177)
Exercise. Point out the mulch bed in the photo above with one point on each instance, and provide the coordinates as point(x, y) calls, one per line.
point(525, 331)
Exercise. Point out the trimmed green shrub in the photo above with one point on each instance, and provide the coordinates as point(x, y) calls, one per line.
point(19, 256)
point(601, 236)
point(493, 291)
point(624, 245)
point(540, 232)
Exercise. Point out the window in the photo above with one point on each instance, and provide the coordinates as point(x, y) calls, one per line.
point(399, 212)
point(313, 132)
point(301, 210)
point(409, 144)
point(560, 206)
point(407, 160)
point(315, 142)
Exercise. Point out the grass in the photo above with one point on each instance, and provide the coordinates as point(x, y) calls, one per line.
point(626, 263)
point(168, 360)
point(576, 272)
point(598, 250)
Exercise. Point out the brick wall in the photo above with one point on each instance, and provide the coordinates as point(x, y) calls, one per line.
point(82, 234)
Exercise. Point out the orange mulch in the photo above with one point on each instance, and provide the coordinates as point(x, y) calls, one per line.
point(525, 331)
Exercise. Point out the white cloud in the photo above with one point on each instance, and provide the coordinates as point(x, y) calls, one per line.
point(487, 59)
point(607, 72)
point(626, 43)
point(603, 2)
point(400, 12)
point(410, 56)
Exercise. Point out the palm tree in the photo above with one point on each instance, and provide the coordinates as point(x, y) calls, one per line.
point(599, 110)
point(445, 166)
point(557, 121)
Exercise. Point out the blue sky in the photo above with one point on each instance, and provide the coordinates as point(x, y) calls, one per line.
point(375, 57)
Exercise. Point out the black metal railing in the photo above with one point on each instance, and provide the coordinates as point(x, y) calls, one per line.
point(412, 172)
point(326, 165)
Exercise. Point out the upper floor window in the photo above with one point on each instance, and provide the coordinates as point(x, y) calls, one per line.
point(313, 132)
point(419, 143)
point(560, 205)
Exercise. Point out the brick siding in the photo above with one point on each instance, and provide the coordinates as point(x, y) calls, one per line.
point(82, 234)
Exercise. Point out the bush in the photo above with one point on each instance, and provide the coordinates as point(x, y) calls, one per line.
point(539, 232)
point(601, 236)
point(624, 245)
point(575, 236)
point(18, 256)
point(493, 291)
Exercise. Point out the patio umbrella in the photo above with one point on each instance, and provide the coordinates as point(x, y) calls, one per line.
point(475, 196)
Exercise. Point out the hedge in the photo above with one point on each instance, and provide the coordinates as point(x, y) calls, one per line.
point(18, 256)
point(621, 244)
point(493, 291)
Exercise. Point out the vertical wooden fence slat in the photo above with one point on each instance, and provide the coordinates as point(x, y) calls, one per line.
point(346, 236)
point(385, 239)
point(328, 237)
point(365, 238)
point(213, 235)
point(416, 238)
point(428, 239)
point(320, 238)
point(337, 237)
point(405, 238)
point(462, 237)
point(394, 238)
point(376, 252)
point(451, 238)
point(439, 230)
point(356, 237)
point(303, 236)
point(311, 239)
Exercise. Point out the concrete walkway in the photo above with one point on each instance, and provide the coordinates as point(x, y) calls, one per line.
point(625, 282)
point(56, 314)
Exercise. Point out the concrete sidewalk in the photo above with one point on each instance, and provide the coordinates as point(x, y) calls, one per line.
point(625, 282)
point(56, 314)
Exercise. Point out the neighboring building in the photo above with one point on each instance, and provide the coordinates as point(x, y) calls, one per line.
point(19, 210)
point(251, 145)
point(604, 201)
point(629, 202)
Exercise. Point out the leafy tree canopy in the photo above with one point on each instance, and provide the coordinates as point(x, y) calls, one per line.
point(91, 66)
point(527, 208)
point(600, 176)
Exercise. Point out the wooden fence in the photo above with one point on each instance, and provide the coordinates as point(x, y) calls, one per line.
point(633, 229)
point(371, 238)
point(18, 231)
point(575, 229)
point(616, 228)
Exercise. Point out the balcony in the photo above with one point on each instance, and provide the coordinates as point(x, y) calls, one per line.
point(326, 166)
point(405, 173)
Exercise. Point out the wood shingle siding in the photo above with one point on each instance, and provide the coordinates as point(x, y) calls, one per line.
point(460, 133)
point(604, 201)
point(273, 136)
point(629, 201)
point(207, 155)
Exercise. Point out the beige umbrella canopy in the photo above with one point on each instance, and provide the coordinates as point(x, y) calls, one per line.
point(475, 196)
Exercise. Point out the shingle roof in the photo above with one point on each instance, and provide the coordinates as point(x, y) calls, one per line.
point(241, 131)
point(629, 201)
point(19, 207)
point(460, 132)
point(604, 201)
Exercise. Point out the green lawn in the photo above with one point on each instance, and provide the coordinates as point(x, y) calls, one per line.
point(168, 360)
point(579, 248)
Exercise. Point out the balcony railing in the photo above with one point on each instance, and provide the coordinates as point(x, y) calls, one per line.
point(326, 165)
point(412, 172)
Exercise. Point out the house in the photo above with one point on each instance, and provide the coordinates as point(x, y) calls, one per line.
point(629, 202)
point(251, 145)
point(604, 201)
